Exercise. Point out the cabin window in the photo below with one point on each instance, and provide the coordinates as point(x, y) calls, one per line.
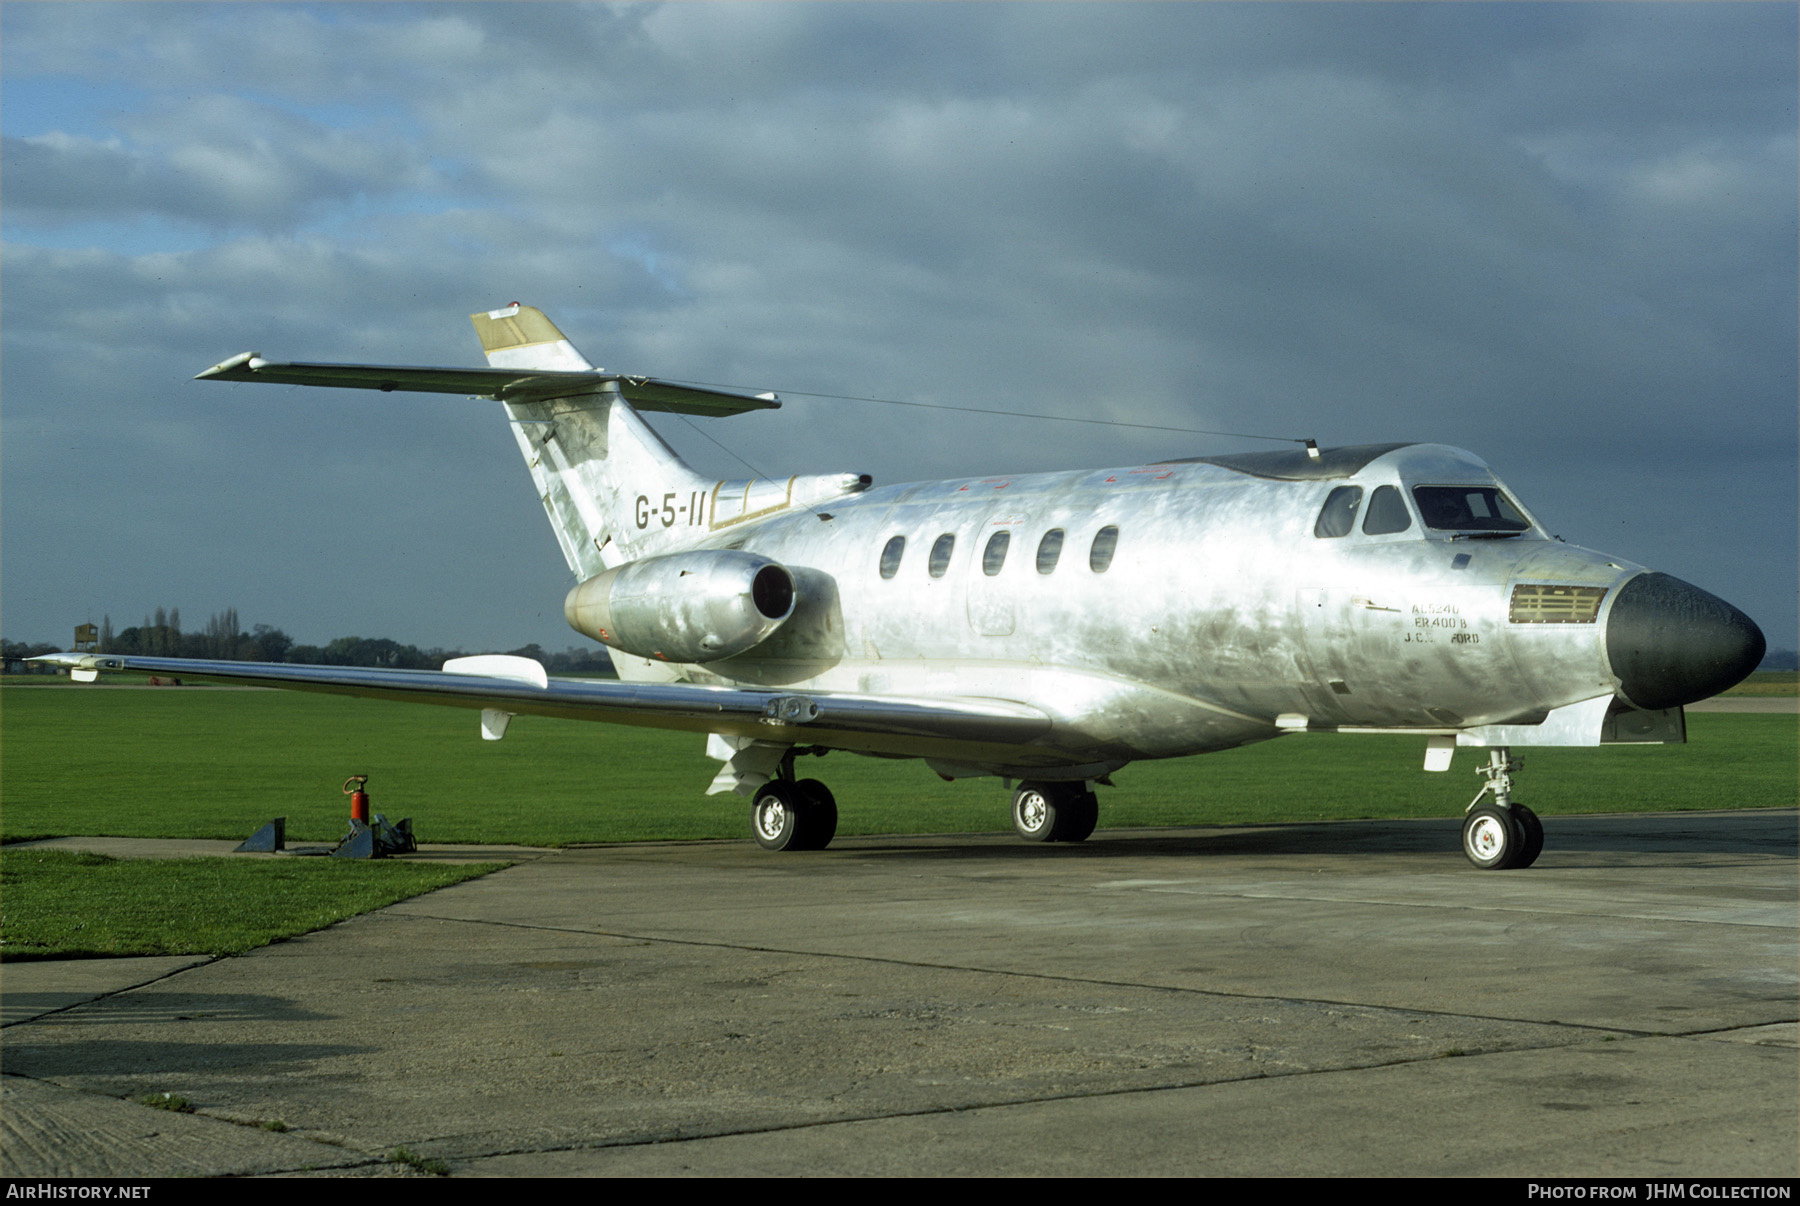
point(1100, 556)
point(994, 556)
point(890, 556)
point(1338, 516)
point(1468, 509)
point(1387, 513)
point(940, 554)
point(1049, 549)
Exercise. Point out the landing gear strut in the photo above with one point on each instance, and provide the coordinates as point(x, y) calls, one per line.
point(1054, 812)
point(1501, 835)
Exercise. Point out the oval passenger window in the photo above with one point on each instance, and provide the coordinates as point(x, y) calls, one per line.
point(1106, 540)
point(994, 556)
point(940, 554)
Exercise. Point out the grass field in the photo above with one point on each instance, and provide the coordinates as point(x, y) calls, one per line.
point(218, 763)
point(1769, 682)
point(61, 904)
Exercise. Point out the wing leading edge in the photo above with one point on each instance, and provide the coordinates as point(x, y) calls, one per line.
point(874, 724)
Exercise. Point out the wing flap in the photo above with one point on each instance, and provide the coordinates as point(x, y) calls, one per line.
point(877, 724)
point(507, 385)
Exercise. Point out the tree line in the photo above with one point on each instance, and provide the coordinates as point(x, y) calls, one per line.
point(223, 639)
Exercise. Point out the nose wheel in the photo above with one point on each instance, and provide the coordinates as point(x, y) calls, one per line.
point(1501, 835)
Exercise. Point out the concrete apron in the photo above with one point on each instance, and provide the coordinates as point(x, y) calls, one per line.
point(1334, 999)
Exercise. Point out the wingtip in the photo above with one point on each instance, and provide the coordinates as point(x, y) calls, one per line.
point(82, 667)
point(224, 367)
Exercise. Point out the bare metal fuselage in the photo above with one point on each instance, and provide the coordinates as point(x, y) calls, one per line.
point(1219, 614)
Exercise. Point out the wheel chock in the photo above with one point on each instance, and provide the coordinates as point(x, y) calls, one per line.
point(359, 843)
point(377, 839)
point(267, 840)
point(396, 838)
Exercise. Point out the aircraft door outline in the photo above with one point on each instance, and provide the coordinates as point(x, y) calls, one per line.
point(992, 568)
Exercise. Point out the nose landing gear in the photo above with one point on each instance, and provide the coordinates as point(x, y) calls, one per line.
point(1502, 835)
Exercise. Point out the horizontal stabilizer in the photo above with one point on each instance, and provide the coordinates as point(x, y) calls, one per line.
point(507, 385)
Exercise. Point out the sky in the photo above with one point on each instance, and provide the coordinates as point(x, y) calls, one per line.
point(1562, 236)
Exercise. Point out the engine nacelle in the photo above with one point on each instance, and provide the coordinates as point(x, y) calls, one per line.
point(697, 606)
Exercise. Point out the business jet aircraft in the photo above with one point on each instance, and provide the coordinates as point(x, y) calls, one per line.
point(1047, 628)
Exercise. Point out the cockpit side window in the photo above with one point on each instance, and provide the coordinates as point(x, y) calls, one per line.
point(1387, 513)
point(1468, 509)
point(1338, 516)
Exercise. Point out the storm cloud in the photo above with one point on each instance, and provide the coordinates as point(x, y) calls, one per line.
point(1562, 236)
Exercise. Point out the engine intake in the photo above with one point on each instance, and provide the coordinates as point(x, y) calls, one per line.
point(697, 606)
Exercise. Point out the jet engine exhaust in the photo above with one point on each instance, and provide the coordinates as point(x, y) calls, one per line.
point(698, 606)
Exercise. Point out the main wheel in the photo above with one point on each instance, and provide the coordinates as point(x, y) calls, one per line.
point(818, 816)
point(1492, 838)
point(775, 816)
point(1034, 812)
point(1534, 836)
point(1077, 817)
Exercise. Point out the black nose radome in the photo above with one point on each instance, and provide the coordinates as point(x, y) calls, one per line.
point(1672, 644)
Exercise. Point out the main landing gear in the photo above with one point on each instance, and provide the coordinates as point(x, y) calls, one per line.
point(1054, 812)
point(793, 815)
point(1503, 834)
point(801, 814)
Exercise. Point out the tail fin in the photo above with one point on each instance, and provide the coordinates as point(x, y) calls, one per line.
point(521, 337)
point(613, 490)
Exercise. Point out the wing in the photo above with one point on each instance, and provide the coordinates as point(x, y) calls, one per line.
point(939, 728)
point(508, 385)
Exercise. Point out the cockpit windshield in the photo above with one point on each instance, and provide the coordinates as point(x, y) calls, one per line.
point(1468, 509)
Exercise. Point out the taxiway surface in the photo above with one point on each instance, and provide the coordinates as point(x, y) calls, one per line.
point(1335, 999)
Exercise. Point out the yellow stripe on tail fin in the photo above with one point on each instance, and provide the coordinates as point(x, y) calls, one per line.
point(522, 337)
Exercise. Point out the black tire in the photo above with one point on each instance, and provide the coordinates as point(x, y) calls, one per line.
point(1492, 838)
point(1077, 817)
point(1534, 836)
point(1034, 811)
point(775, 816)
point(818, 815)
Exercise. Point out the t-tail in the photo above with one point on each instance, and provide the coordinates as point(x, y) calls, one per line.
point(614, 491)
point(596, 464)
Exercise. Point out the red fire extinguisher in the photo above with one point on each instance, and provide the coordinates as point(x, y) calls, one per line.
point(359, 799)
